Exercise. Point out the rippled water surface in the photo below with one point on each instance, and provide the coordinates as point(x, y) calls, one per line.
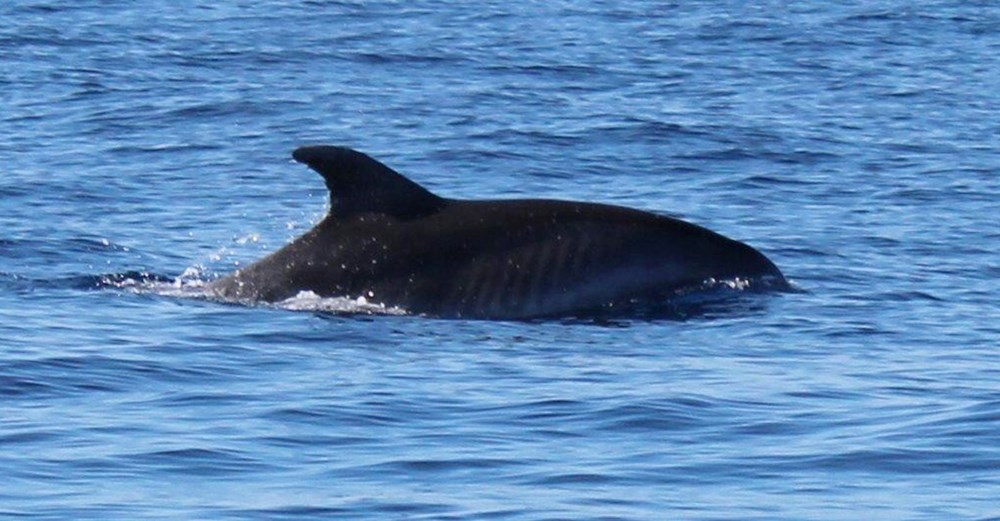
point(146, 145)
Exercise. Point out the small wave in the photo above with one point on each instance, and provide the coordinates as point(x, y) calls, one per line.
point(128, 279)
point(194, 283)
point(725, 298)
point(710, 299)
point(190, 283)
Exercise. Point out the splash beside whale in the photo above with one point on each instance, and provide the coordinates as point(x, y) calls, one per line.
point(391, 241)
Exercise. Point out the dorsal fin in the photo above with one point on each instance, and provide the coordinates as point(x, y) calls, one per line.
point(359, 184)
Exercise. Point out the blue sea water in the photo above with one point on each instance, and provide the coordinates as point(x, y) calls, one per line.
point(856, 144)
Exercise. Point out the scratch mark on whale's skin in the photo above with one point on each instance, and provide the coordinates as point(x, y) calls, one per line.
point(389, 238)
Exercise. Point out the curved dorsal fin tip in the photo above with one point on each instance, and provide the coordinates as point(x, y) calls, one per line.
point(310, 154)
point(360, 184)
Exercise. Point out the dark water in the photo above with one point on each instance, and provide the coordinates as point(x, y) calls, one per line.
point(857, 145)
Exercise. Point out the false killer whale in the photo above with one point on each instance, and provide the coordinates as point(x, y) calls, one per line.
point(392, 241)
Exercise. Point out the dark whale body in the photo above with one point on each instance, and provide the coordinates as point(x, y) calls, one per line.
point(393, 242)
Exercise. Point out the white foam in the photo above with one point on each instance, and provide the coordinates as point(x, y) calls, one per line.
point(737, 283)
point(309, 301)
point(193, 283)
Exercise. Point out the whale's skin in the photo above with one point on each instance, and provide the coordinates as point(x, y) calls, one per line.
point(494, 259)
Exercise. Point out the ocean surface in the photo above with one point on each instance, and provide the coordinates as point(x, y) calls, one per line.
point(145, 149)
